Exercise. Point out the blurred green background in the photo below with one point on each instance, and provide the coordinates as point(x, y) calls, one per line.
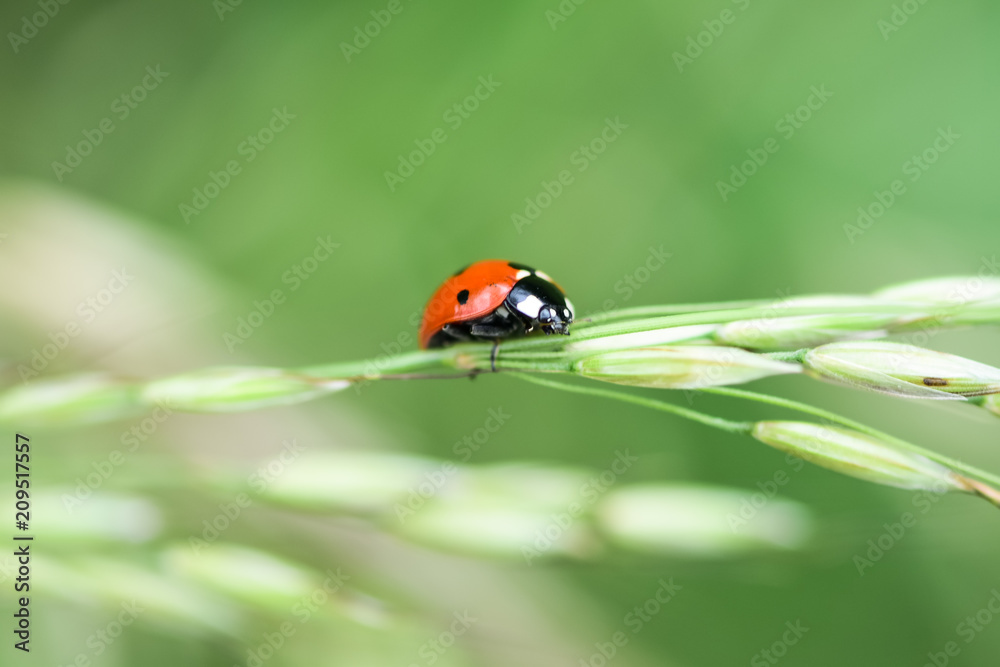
point(308, 114)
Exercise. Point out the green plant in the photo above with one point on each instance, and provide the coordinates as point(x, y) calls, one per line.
point(701, 347)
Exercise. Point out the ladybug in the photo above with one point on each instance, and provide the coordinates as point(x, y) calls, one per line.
point(494, 299)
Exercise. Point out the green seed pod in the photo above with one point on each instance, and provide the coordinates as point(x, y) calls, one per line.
point(686, 334)
point(955, 301)
point(681, 367)
point(858, 455)
point(232, 389)
point(701, 521)
point(950, 291)
point(902, 370)
point(241, 572)
point(81, 399)
point(793, 333)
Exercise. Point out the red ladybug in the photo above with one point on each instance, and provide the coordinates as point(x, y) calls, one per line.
point(494, 299)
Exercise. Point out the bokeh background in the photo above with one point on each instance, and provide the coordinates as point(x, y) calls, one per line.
point(309, 114)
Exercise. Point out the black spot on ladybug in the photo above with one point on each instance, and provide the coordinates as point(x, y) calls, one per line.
point(463, 296)
point(520, 267)
point(935, 382)
point(461, 270)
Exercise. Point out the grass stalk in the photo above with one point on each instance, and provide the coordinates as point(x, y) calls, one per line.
point(742, 428)
point(832, 417)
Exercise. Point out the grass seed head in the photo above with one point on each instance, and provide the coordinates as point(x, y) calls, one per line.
point(234, 388)
point(858, 455)
point(902, 370)
point(792, 333)
point(681, 367)
point(948, 291)
point(694, 333)
point(66, 401)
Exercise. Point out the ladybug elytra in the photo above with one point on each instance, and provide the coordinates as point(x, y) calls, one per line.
point(491, 300)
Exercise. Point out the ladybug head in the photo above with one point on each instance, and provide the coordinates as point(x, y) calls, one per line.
point(555, 319)
point(540, 302)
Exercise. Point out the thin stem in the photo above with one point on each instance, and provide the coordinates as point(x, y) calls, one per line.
point(409, 361)
point(600, 326)
point(677, 309)
point(781, 307)
point(722, 316)
point(857, 426)
point(730, 426)
point(559, 367)
point(461, 375)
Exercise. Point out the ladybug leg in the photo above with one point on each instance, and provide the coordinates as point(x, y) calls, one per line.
point(455, 333)
point(490, 330)
point(493, 355)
